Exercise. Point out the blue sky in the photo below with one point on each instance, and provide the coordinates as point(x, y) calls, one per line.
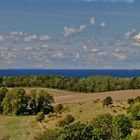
point(69, 34)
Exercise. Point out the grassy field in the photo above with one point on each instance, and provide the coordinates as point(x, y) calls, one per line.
point(18, 128)
point(84, 112)
point(84, 107)
point(61, 96)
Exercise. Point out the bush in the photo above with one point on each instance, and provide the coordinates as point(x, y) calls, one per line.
point(121, 127)
point(136, 136)
point(134, 110)
point(67, 120)
point(107, 101)
point(40, 116)
point(78, 131)
point(58, 108)
point(130, 101)
point(102, 127)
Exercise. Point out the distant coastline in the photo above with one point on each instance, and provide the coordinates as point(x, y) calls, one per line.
point(72, 72)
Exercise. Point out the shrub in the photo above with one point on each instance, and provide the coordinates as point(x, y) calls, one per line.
point(134, 110)
point(136, 136)
point(78, 131)
point(121, 127)
point(137, 99)
point(130, 101)
point(102, 127)
point(40, 116)
point(107, 101)
point(67, 120)
point(58, 108)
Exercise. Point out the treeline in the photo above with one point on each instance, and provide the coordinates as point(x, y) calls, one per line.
point(19, 102)
point(98, 83)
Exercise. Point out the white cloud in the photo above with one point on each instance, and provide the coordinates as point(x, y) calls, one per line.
point(30, 38)
point(77, 56)
point(92, 20)
point(44, 38)
point(82, 27)
point(127, 1)
point(103, 24)
point(17, 33)
point(58, 54)
point(120, 57)
point(71, 30)
point(45, 46)
point(2, 38)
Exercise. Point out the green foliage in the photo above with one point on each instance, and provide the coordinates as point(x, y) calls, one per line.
point(3, 92)
point(121, 127)
point(134, 110)
point(97, 83)
point(107, 101)
point(15, 102)
point(58, 108)
point(78, 131)
point(75, 131)
point(136, 136)
point(102, 127)
point(40, 116)
point(39, 101)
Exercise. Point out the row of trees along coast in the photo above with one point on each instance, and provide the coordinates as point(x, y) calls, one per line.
point(97, 83)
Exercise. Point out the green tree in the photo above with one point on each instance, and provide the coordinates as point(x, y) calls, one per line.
point(134, 110)
point(121, 127)
point(15, 102)
point(102, 127)
point(3, 92)
point(40, 101)
point(78, 131)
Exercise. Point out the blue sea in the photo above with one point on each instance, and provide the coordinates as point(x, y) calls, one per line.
point(71, 72)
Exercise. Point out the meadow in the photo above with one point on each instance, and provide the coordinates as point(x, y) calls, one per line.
point(83, 107)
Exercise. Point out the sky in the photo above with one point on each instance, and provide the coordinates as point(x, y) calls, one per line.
point(70, 34)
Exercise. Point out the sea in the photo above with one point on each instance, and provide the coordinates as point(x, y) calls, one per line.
point(72, 72)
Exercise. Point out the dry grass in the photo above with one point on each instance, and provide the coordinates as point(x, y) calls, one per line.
point(83, 106)
point(86, 111)
point(62, 96)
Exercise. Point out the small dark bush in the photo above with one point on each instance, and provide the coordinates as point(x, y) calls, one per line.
point(69, 119)
point(130, 101)
point(58, 108)
point(107, 101)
